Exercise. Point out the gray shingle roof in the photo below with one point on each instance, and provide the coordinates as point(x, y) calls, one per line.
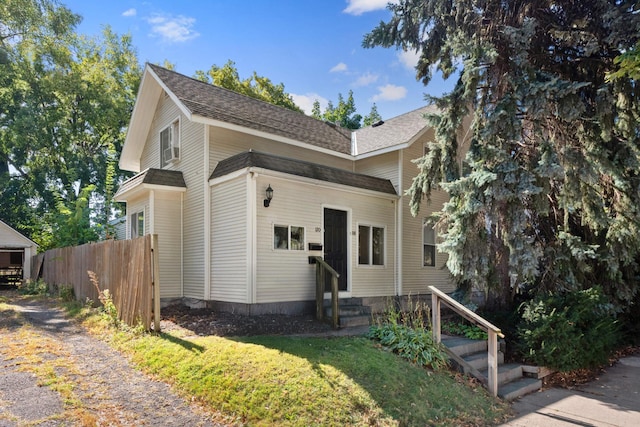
point(301, 168)
point(398, 130)
point(164, 177)
point(213, 102)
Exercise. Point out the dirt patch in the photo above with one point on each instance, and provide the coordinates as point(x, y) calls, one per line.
point(208, 322)
point(55, 374)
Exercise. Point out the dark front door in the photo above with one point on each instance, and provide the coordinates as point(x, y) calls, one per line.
point(335, 244)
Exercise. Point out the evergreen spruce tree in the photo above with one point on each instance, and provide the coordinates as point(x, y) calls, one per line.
point(552, 197)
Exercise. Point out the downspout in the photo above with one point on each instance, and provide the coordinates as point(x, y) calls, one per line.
point(400, 222)
point(207, 216)
point(152, 212)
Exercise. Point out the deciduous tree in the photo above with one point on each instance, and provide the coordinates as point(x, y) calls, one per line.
point(256, 86)
point(65, 103)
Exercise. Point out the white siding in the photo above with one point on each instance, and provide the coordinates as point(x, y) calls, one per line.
point(166, 113)
point(383, 166)
point(168, 227)
point(417, 277)
point(229, 258)
point(286, 275)
point(226, 143)
point(192, 165)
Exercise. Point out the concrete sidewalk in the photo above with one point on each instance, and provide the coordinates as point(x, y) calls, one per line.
point(611, 400)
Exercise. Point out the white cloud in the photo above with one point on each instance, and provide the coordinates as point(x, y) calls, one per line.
point(358, 7)
point(173, 29)
point(129, 12)
point(365, 80)
point(389, 93)
point(340, 67)
point(409, 59)
point(306, 101)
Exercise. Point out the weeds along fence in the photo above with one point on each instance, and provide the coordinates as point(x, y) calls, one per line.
point(128, 268)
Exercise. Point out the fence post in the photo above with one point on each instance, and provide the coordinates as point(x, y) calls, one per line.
point(155, 282)
point(335, 312)
point(435, 316)
point(319, 292)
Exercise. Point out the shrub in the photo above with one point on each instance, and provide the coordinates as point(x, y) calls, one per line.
point(404, 333)
point(33, 287)
point(463, 329)
point(66, 293)
point(106, 299)
point(568, 331)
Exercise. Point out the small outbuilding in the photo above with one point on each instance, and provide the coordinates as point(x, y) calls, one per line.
point(16, 251)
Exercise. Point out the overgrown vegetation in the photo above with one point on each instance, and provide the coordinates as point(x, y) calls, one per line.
point(293, 381)
point(33, 287)
point(405, 332)
point(463, 329)
point(570, 330)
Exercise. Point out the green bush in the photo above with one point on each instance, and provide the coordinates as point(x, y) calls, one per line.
point(568, 331)
point(404, 333)
point(66, 293)
point(33, 287)
point(463, 329)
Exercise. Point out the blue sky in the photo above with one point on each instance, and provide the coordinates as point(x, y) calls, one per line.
point(314, 47)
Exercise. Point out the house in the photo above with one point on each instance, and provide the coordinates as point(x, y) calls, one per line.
point(242, 192)
point(16, 251)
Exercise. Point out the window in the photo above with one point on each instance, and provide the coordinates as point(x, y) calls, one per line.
point(429, 245)
point(15, 258)
point(136, 224)
point(170, 143)
point(288, 237)
point(370, 245)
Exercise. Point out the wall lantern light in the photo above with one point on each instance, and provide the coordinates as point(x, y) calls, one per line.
point(269, 195)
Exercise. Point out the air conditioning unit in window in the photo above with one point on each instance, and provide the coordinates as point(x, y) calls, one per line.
point(171, 154)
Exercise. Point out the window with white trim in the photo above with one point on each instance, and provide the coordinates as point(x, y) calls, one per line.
point(288, 237)
point(428, 245)
point(136, 224)
point(370, 245)
point(170, 143)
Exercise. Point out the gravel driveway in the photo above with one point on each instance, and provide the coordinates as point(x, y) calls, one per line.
point(53, 373)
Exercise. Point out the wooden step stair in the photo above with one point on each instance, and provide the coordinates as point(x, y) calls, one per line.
point(470, 357)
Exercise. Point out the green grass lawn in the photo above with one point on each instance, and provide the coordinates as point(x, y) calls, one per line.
point(307, 381)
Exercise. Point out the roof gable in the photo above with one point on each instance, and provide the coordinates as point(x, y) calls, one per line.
point(9, 237)
point(203, 102)
point(397, 132)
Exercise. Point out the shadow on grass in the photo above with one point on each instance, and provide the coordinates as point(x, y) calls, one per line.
point(410, 394)
point(187, 345)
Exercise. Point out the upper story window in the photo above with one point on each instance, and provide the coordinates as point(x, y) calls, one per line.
point(170, 143)
point(428, 245)
point(370, 245)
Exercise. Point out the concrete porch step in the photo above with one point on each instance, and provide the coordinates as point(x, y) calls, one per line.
point(463, 346)
point(507, 373)
point(519, 387)
point(352, 312)
point(480, 360)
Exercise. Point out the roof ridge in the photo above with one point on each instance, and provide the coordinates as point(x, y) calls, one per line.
point(259, 103)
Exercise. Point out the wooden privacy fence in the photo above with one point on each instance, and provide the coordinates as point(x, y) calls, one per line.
point(128, 268)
